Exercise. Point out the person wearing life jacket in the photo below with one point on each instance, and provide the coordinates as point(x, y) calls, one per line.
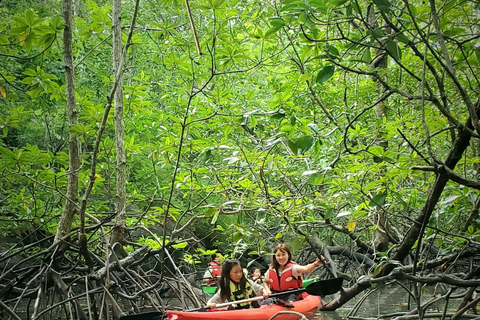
point(256, 275)
point(234, 286)
point(284, 274)
point(214, 270)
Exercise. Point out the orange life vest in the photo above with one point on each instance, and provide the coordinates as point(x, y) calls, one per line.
point(285, 281)
point(216, 272)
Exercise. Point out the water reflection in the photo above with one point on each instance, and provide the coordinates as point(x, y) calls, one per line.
point(385, 300)
point(390, 300)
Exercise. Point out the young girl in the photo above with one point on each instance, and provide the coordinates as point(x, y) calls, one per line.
point(255, 275)
point(234, 286)
point(284, 274)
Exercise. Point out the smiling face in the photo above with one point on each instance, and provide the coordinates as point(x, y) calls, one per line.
point(256, 273)
point(236, 273)
point(282, 257)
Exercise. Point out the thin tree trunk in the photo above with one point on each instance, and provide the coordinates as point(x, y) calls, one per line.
point(380, 236)
point(71, 204)
point(119, 230)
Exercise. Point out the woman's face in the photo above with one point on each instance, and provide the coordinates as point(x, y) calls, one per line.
point(236, 273)
point(256, 273)
point(281, 257)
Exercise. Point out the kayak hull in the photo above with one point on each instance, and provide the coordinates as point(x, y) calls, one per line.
point(305, 306)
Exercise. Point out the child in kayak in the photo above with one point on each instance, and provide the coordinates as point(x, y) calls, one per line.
point(234, 286)
point(214, 270)
point(284, 274)
point(255, 275)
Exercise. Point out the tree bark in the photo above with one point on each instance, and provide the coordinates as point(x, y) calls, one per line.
point(119, 231)
point(380, 236)
point(71, 203)
point(455, 154)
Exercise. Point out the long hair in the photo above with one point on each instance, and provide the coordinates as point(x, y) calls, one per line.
point(283, 247)
point(224, 283)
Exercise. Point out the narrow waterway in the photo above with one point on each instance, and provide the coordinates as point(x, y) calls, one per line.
point(390, 300)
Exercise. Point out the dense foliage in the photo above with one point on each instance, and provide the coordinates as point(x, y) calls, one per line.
point(348, 121)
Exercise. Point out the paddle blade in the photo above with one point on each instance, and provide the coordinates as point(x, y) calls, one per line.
point(145, 316)
point(324, 287)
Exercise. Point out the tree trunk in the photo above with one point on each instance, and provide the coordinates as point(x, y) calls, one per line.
point(380, 236)
point(71, 203)
point(455, 154)
point(119, 230)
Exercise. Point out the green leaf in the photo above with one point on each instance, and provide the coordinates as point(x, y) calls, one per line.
point(180, 245)
point(470, 229)
point(394, 50)
point(278, 115)
point(333, 51)
point(29, 18)
point(296, 244)
point(378, 200)
point(271, 31)
point(339, 2)
point(277, 22)
point(415, 244)
point(237, 236)
point(325, 74)
point(304, 143)
point(215, 217)
point(402, 38)
point(367, 56)
point(383, 5)
point(292, 147)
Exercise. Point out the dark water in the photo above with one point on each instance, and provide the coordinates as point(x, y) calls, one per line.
point(370, 304)
point(390, 300)
point(387, 300)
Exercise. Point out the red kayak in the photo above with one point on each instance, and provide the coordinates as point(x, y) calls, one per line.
point(305, 306)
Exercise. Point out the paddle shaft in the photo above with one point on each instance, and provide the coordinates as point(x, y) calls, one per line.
point(258, 298)
point(317, 288)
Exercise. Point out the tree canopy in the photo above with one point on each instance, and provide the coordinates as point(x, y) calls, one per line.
point(347, 129)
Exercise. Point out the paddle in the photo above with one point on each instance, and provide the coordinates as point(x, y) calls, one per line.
point(317, 288)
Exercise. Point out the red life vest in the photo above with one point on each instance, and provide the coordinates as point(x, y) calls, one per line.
point(285, 281)
point(216, 272)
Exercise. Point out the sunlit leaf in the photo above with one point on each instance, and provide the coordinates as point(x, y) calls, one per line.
point(351, 225)
point(3, 92)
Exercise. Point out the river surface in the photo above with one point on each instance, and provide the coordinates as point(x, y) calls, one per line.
point(385, 300)
point(388, 300)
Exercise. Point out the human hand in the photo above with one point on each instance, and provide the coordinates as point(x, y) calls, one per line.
point(266, 293)
point(211, 305)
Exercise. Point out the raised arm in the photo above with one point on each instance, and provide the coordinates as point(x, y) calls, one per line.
point(309, 267)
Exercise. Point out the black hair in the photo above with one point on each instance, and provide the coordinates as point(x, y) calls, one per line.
point(224, 283)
